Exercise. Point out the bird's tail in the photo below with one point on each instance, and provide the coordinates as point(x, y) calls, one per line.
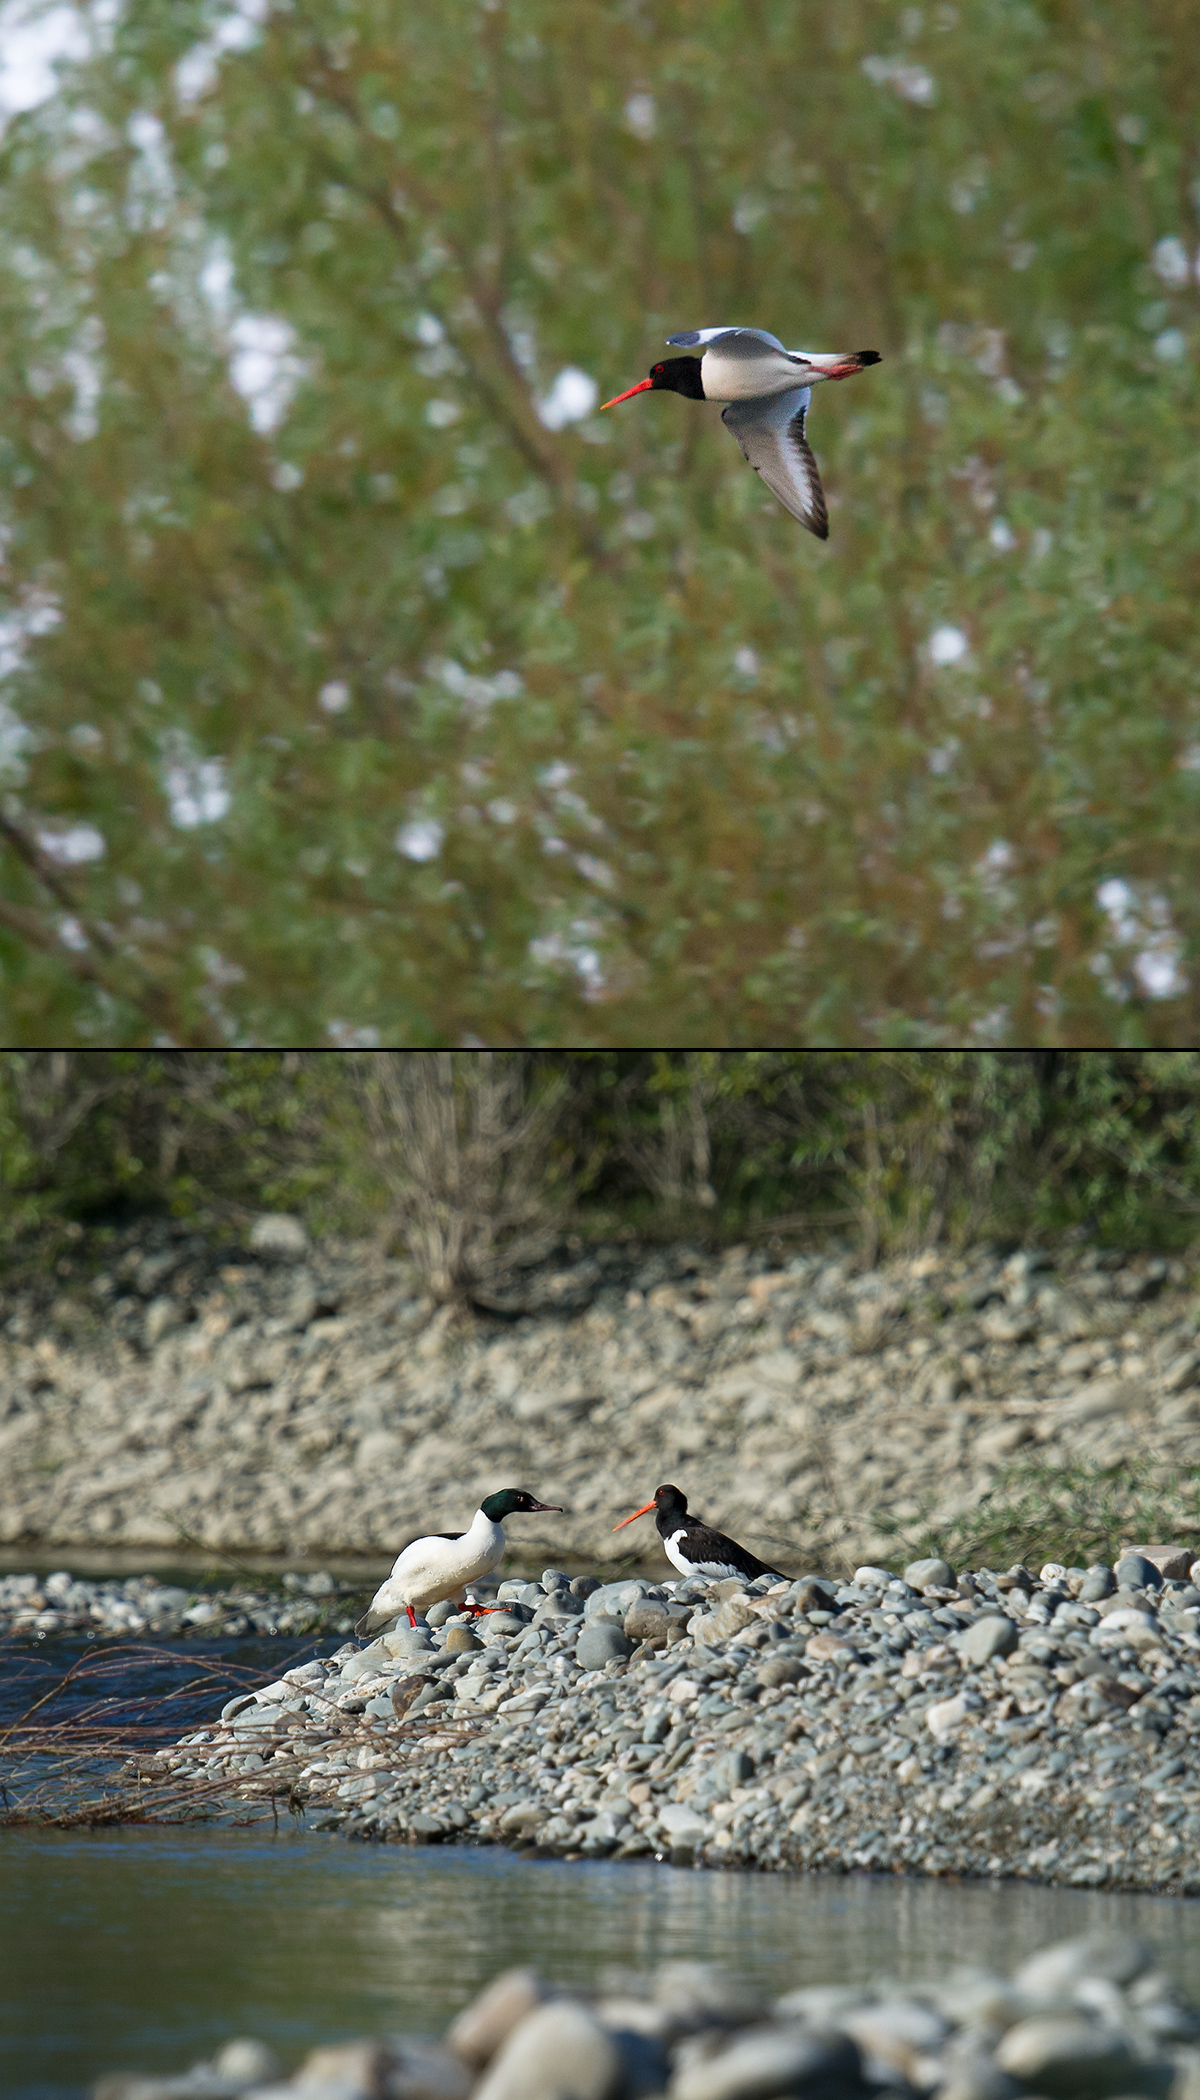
point(844, 367)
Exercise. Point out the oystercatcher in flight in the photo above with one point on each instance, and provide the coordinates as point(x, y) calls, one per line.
point(768, 390)
point(694, 1548)
point(441, 1565)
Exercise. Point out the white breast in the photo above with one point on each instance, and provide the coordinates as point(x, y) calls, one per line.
point(739, 367)
point(432, 1568)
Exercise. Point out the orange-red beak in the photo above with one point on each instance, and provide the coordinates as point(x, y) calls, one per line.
point(640, 388)
point(649, 1506)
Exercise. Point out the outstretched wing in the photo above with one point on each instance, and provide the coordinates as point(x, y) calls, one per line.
point(770, 431)
point(693, 338)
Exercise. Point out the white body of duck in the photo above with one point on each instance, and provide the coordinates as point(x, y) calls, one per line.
point(442, 1564)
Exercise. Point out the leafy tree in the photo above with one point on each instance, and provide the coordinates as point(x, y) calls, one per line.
point(354, 693)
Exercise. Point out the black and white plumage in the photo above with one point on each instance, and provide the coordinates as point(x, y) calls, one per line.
point(695, 1548)
point(768, 390)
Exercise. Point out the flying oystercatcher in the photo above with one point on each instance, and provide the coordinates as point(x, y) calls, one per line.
point(441, 1565)
point(694, 1548)
point(768, 390)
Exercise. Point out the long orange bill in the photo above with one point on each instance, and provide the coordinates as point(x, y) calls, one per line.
point(640, 388)
point(649, 1506)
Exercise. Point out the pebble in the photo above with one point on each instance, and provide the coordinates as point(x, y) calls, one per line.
point(986, 1639)
point(559, 2052)
point(601, 1643)
point(694, 2033)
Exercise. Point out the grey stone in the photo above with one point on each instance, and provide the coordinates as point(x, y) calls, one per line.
point(498, 1622)
point(780, 1669)
point(647, 1620)
point(762, 2061)
point(406, 1692)
point(1097, 1583)
point(163, 1315)
point(599, 1644)
point(484, 2024)
point(1173, 1562)
point(1071, 2059)
point(731, 1616)
point(463, 1640)
point(1116, 1957)
point(559, 1608)
point(558, 2052)
point(1134, 1572)
point(613, 1599)
point(279, 1237)
point(986, 1638)
point(680, 1819)
point(697, 1994)
point(255, 1716)
point(929, 1574)
point(438, 1614)
point(734, 1769)
point(524, 1815)
point(247, 2063)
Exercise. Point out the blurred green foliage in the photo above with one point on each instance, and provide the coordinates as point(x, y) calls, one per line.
point(345, 699)
point(474, 1162)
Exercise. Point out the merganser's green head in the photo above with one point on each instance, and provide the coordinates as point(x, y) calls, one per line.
point(510, 1502)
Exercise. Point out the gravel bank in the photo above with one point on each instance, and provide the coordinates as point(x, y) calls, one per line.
point(303, 1399)
point(1082, 2020)
point(1045, 1726)
point(33, 1606)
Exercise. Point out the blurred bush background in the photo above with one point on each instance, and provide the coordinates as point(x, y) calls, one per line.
point(477, 1165)
point(361, 685)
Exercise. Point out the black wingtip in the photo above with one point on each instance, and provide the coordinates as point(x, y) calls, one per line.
point(868, 357)
point(821, 530)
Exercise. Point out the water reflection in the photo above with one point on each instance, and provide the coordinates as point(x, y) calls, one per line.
point(147, 1948)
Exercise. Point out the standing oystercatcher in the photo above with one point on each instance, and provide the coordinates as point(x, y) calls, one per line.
point(768, 389)
point(694, 1548)
point(441, 1565)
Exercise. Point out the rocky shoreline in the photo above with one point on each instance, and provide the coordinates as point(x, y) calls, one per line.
point(1041, 1726)
point(1081, 2020)
point(32, 1607)
point(302, 1398)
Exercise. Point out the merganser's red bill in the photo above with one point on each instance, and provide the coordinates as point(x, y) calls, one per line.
point(640, 388)
point(768, 390)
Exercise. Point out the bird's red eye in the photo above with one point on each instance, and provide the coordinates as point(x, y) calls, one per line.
point(660, 368)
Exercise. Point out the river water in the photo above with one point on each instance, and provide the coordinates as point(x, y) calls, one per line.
point(146, 1948)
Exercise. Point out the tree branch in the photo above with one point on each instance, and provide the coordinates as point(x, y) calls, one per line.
point(512, 406)
point(158, 1006)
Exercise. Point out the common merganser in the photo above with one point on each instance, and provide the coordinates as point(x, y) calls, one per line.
point(768, 389)
point(442, 1564)
point(694, 1548)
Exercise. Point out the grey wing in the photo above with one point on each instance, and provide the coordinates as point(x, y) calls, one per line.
point(770, 431)
point(691, 338)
